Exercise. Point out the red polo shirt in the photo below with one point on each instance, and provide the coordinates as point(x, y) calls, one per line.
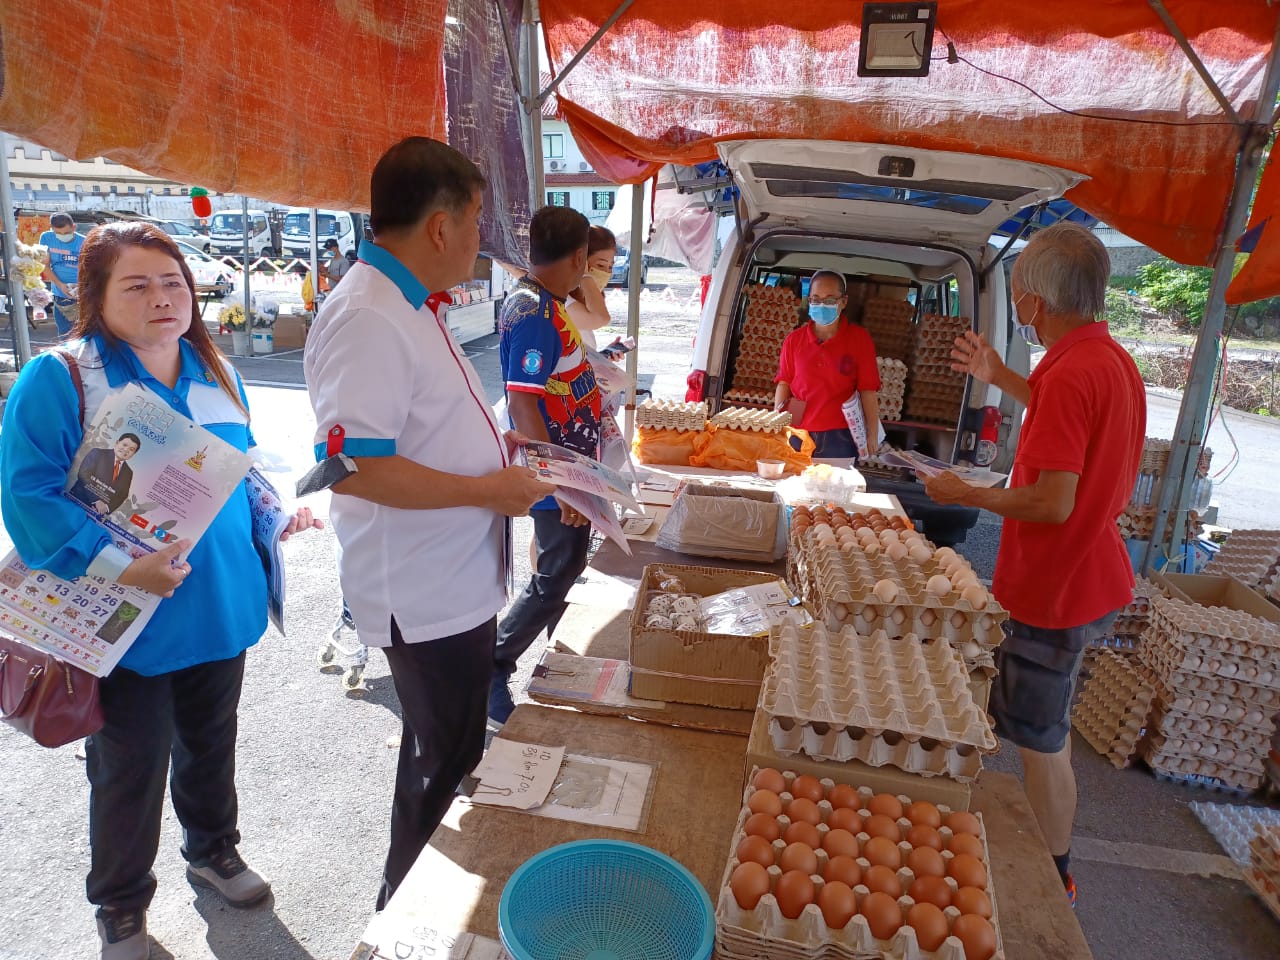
point(1087, 416)
point(824, 374)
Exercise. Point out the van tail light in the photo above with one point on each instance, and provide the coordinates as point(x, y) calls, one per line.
point(988, 437)
point(697, 384)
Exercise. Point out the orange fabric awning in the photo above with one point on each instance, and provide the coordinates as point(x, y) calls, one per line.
point(672, 78)
point(292, 102)
point(1259, 278)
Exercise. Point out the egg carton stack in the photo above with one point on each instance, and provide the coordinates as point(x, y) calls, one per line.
point(874, 699)
point(893, 384)
point(1263, 874)
point(1114, 706)
point(770, 314)
point(1251, 556)
point(890, 324)
point(671, 415)
point(1139, 517)
point(801, 556)
point(819, 869)
point(1138, 523)
point(1216, 674)
point(755, 421)
point(1131, 623)
point(936, 391)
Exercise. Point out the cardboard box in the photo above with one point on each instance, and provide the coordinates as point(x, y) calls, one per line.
point(290, 332)
point(728, 522)
point(760, 753)
point(1225, 592)
point(712, 669)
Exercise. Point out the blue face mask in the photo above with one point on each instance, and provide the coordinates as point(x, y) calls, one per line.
point(1025, 330)
point(823, 314)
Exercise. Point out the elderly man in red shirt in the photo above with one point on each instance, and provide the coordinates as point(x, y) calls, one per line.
point(1062, 571)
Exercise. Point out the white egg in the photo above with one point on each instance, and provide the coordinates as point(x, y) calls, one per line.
point(888, 536)
point(896, 552)
point(886, 591)
point(899, 615)
point(943, 553)
point(871, 548)
point(970, 650)
point(919, 553)
point(975, 596)
point(865, 534)
point(938, 586)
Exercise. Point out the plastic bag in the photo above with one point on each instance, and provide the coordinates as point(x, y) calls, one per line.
point(670, 447)
point(725, 522)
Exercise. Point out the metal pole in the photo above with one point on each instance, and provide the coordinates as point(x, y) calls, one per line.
point(1193, 415)
point(315, 253)
point(531, 55)
point(248, 310)
point(633, 305)
point(17, 300)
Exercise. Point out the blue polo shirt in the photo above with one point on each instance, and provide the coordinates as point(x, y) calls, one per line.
point(221, 608)
point(64, 258)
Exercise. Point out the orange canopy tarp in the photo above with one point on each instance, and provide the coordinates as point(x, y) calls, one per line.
point(290, 101)
point(1259, 278)
point(671, 78)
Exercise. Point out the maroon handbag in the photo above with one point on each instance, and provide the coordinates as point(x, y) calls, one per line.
point(50, 701)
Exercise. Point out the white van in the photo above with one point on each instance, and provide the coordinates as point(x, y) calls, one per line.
point(226, 234)
point(330, 224)
point(911, 230)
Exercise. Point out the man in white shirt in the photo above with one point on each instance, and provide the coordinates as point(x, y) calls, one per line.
point(423, 522)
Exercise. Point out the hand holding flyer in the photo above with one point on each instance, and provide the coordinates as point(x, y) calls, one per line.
point(565, 468)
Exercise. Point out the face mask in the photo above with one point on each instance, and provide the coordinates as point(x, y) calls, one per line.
point(64, 237)
point(1025, 330)
point(823, 314)
point(600, 277)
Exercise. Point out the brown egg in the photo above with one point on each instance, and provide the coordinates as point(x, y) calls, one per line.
point(756, 850)
point(921, 813)
point(844, 870)
point(804, 809)
point(843, 795)
point(878, 825)
point(931, 890)
point(810, 788)
point(749, 882)
point(840, 843)
point(765, 801)
point(883, 852)
point(883, 915)
point(977, 935)
point(885, 804)
point(967, 871)
point(843, 818)
point(799, 856)
point(929, 924)
point(966, 843)
point(801, 832)
point(883, 879)
point(972, 900)
point(769, 779)
point(763, 825)
point(794, 892)
point(961, 821)
point(838, 904)
point(922, 836)
point(926, 862)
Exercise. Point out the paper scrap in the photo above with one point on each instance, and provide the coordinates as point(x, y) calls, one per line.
point(516, 775)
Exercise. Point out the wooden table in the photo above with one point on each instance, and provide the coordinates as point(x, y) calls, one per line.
point(454, 888)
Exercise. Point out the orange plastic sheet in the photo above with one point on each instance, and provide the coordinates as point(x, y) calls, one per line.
point(290, 101)
point(721, 449)
point(1259, 278)
point(672, 78)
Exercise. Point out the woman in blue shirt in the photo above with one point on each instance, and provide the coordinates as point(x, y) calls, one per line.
point(176, 690)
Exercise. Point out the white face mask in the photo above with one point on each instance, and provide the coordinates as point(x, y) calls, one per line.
point(1025, 330)
point(600, 276)
point(64, 237)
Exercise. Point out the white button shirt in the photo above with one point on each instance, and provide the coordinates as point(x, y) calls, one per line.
point(381, 364)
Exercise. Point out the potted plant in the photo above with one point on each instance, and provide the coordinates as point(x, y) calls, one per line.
point(264, 322)
point(233, 318)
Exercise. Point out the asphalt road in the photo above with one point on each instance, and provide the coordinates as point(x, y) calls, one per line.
point(316, 768)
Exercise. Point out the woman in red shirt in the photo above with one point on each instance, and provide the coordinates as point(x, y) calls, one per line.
point(823, 364)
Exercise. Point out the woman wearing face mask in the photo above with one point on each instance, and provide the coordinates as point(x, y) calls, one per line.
point(586, 304)
point(823, 364)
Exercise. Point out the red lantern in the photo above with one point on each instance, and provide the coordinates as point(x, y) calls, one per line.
point(200, 204)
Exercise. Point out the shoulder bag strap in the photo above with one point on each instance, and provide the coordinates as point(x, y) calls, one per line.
point(73, 368)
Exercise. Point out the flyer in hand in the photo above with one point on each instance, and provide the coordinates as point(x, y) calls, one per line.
point(149, 477)
point(563, 467)
point(928, 466)
point(270, 518)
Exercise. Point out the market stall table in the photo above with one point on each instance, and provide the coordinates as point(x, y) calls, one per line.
point(454, 888)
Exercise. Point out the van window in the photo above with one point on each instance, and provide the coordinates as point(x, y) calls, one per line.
point(327, 225)
point(259, 224)
point(226, 223)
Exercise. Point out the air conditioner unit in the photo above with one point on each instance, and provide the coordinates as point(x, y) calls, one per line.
point(584, 166)
point(557, 164)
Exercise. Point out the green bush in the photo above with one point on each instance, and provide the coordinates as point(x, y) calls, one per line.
point(1123, 315)
point(1175, 290)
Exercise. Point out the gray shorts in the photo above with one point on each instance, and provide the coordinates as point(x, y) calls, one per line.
point(1031, 696)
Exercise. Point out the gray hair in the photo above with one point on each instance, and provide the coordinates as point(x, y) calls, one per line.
point(1067, 267)
point(838, 277)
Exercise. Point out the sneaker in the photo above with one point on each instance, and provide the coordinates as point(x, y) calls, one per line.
point(123, 934)
point(238, 883)
point(501, 705)
point(1071, 890)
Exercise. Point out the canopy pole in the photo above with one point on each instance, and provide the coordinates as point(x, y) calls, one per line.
point(315, 256)
point(531, 58)
point(1176, 32)
point(634, 270)
point(1197, 396)
point(248, 310)
point(17, 299)
point(586, 48)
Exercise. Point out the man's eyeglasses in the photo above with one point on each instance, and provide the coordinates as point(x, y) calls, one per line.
point(828, 302)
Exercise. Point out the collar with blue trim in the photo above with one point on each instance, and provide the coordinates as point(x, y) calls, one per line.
point(121, 365)
point(410, 287)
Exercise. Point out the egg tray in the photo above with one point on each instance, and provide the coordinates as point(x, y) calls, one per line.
point(671, 415)
point(1251, 556)
point(1157, 658)
point(1198, 772)
point(888, 310)
point(1240, 714)
point(765, 933)
point(747, 395)
point(755, 421)
point(760, 293)
point(1268, 890)
point(875, 700)
point(1113, 710)
point(1215, 629)
point(1185, 725)
point(1264, 851)
point(1243, 752)
point(1235, 825)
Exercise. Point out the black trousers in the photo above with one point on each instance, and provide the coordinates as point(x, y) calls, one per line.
point(562, 556)
point(443, 686)
point(188, 716)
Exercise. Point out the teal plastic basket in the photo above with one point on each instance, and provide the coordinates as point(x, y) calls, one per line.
point(605, 900)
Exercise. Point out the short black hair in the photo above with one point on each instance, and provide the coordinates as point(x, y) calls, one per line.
point(556, 233)
point(416, 177)
point(130, 436)
point(61, 220)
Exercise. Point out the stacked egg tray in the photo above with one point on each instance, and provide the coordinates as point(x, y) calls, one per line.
point(672, 415)
point(1263, 874)
point(1138, 523)
point(1155, 457)
point(770, 314)
point(755, 421)
point(869, 876)
point(1216, 674)
point(936, 391)
point(893, 384)
point(1251, 556)
point(890, 324)
point(874, 699)
point(1113, 709)
point(1134, 617)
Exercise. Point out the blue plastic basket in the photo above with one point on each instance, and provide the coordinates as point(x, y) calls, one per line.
point(605, 900)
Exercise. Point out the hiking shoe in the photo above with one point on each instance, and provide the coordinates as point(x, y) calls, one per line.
point(123, 934)
point(501, 705)
point(1071, 890)
point(238, 883)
